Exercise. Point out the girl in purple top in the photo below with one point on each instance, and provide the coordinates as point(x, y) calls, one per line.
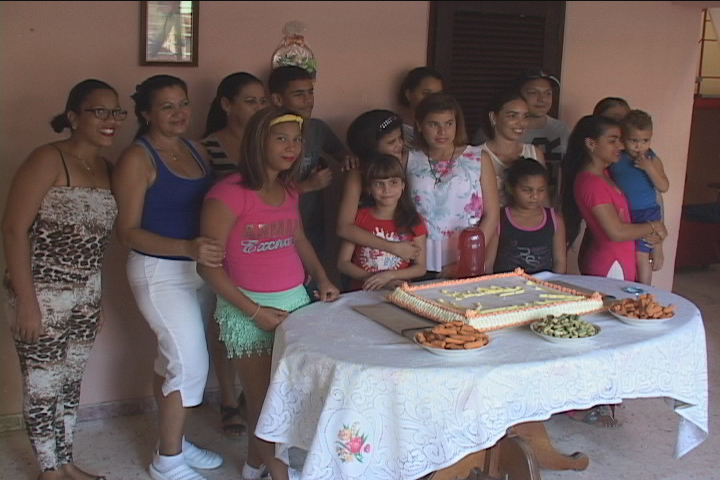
point(255, 214)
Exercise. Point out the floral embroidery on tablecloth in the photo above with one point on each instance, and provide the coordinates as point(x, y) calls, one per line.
point(352, 445)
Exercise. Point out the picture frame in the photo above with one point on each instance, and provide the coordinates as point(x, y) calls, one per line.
point(169, 33)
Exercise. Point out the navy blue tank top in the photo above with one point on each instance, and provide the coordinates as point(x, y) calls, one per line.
point(531, 250)
point(173, 204)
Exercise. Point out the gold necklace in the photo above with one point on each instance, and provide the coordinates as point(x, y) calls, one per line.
point(82, 160)
point(172, 154)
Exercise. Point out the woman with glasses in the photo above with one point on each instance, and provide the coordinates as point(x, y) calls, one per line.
point(159, 183)
point(56, 225)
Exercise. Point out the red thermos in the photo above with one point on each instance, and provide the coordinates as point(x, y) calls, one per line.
point(471, 253)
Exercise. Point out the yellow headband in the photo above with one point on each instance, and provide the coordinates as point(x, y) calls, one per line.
point(287, 118)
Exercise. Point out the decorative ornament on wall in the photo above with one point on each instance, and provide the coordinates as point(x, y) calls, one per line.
point(293, 50)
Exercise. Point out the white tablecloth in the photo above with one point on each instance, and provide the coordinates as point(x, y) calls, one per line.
point(367, 403)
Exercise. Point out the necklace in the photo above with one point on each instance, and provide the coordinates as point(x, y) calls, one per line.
point(172, 154)
point(82, 160)
point(437, 178)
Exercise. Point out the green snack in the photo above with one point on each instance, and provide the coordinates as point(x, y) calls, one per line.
point(565, 326)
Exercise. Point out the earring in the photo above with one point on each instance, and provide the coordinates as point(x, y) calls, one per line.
point(73, 126)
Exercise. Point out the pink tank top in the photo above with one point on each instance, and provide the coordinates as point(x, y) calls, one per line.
point(260, 253)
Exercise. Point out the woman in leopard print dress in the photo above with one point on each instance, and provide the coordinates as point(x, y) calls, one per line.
point(57, 223)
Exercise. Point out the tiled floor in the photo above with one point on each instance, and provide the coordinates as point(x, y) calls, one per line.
point(641, 449)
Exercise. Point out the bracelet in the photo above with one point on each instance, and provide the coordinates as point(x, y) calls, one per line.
point(256, 312)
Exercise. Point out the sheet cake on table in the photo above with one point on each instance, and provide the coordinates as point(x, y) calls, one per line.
point(492, 302)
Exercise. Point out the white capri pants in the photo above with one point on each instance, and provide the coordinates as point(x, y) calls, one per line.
point(175, 302)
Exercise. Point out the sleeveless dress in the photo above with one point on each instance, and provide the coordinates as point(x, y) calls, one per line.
point(68, 240)
point(448, 195)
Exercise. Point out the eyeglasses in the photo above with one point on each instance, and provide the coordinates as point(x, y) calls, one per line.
point(104, 113)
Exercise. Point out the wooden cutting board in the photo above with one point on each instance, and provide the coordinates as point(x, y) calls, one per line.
point(397, 319)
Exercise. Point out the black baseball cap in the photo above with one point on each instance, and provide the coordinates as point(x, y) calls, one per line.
point(534, 75)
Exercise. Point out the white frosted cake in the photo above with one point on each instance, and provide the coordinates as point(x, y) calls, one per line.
point(496, 301)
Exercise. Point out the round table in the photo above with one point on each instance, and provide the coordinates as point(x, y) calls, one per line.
point(366, 402)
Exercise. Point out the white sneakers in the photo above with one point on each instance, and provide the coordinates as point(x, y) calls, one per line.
point(180, 472)
point(200, 458)
point(178, 467)
point(251, 473)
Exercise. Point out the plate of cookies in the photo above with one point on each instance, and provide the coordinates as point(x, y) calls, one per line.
point(642, 311)
point(452, 339)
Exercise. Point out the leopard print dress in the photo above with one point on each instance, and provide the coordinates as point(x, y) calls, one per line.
point(68, 236)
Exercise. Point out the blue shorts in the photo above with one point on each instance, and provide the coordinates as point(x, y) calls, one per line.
point(645, 215)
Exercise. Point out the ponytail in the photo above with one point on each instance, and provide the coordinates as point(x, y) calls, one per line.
point(229, 88)
point(60, 122)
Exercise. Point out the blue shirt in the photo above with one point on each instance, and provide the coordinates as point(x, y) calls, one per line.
point(173, 204)
point(634, 182)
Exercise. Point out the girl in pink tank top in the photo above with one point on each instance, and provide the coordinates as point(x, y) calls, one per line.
point(255, 214)
point(589, 194)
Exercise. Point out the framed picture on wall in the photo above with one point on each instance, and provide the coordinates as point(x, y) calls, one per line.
point(169, 33)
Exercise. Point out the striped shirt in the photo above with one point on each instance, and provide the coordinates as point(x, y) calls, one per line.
point(221, 164)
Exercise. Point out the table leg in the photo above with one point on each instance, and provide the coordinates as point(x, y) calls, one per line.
point(517, 460)
point(462, 469)
point(517, 456)
point(535, 434)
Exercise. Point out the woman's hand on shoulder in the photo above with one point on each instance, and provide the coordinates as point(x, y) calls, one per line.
point(351, 162)
point(268, 318)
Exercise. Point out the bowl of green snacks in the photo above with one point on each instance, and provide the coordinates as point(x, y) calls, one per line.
point(566, 329)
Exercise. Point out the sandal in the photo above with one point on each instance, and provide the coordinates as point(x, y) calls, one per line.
point(233, 429)
point(599, 416)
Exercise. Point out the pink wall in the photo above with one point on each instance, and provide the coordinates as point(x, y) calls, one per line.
point(363, 50)
point(611, 48)
point(647, 53)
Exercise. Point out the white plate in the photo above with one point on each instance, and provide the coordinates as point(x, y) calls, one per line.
point(565, 341)
point(452, 353)
point(640, 322)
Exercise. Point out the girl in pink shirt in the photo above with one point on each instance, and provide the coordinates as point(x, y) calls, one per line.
point(589, 194)
point(254, 214)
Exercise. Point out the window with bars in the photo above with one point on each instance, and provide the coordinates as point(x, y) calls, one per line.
point(481, 47)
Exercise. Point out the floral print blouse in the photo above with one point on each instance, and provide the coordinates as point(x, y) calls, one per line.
point(448, 195)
